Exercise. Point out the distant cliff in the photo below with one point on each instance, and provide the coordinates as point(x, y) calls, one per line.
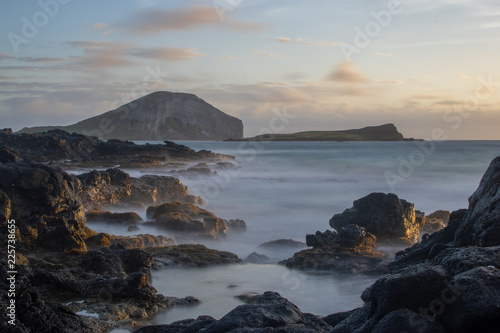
point(387, 132)
point(161, 115)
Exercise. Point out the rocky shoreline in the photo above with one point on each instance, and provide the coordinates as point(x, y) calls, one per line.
point(71, 278)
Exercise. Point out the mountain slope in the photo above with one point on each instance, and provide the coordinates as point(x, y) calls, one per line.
point(161, 115)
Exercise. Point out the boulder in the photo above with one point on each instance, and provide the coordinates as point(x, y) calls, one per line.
point(390, 219)
point(45, 206)
point(9, 155)
point(352, 250)
point(181, 218)
point(257, 258)
point(236, 225)
point(436, 221)
point(114, 187)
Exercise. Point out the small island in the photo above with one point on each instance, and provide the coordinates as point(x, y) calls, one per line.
point(386, 132)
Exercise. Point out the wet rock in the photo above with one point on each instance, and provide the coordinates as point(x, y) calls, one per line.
point(190, 255)
point(133, 228)
point(390, 219)
point(180, 217)
point(129, 218)
point(186, 325)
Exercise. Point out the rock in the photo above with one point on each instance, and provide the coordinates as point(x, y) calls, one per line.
point(190, 255)
point(249, 298)
point(257, 258)
point(180, 217)
point(133, 228)
point(481, 225)
point(283, 244)
point(436, 221)
point(129, 218)
point(115, 187)
point(46, 207)
point(8, 155)
point(129, 242)
point(77, 150)
point(236, 225)
point(186, 325)
point(390, 219)
point(475, 305)
point(34, 315)
point(349, 251)
point(447, 283)
point(161, 115)
point(271, 313)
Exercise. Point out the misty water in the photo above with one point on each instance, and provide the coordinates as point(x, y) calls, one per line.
point(289, 189)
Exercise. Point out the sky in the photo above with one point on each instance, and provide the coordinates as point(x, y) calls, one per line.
point(428, 66)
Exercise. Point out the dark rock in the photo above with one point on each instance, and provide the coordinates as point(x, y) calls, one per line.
point(338, 317)
point(130, 242)
point(271, 310)
point(436, 221)
point(249, 298)
point(236, 225)
point(46, 207)
point(186, 218)
point(458, 260)
point(128, 218)
point(481, 226)
point(390, 219)
point(257, 258)
point(133, 228)
point(475, 307)
point(190, 255)
point(181, 326)
point(349, 251)
point(34, 315)
point(404, 320)
point(115, 187)
point(283, 244)
point(88, 151)
point(8, 155)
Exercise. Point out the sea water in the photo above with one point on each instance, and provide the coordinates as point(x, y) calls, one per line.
point(285, 190)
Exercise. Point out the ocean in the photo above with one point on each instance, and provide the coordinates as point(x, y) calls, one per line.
point(285, 190)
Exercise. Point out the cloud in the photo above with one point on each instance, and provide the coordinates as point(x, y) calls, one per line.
point(102, 55)
point(287, 40)
point(392, 82)
point(158, 21)
point(266, 54)
point(228, 58)
point(384, 54)
point(42, 59)
point(462, 76)
point(167, 53)
point(345, 72)
point(4, 56)
point(104, 28)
